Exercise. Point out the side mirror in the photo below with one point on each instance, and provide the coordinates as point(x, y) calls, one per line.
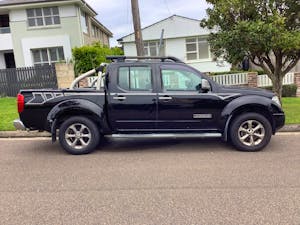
point(205, 86)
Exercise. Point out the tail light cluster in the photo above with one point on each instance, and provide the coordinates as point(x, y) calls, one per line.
point(21, 102)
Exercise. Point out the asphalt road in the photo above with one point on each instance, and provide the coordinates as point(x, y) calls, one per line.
point(150, 181)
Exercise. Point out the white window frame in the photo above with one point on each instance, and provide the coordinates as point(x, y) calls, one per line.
point(49, 62)
point(43, 17)
point(199, 39)
point(147, 46)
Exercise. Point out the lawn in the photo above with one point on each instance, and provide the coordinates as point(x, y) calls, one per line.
point(291, 107)
point(8, 112)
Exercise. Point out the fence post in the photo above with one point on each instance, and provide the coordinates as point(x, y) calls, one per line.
point(252, 79)
point(297, 82)
point(65, 74)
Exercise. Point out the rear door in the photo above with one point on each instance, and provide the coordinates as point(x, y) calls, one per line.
point(132, 99)
point(182, 106)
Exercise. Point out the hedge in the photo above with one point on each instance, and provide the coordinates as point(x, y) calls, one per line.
point(289, 90)
point(91, 56)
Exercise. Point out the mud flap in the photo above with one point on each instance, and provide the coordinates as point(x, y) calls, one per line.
point(53, 131)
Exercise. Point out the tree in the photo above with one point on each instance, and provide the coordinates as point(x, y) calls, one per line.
point(267, 32)
point(91, 56)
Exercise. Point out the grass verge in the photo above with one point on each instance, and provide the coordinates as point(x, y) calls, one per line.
point(8, 112)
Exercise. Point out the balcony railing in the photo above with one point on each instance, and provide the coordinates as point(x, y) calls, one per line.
point(4, 30)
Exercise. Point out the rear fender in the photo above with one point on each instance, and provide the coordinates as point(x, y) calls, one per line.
point(78, 106)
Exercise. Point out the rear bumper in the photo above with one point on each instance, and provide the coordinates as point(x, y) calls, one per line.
point(279, 119)
point(18, 124)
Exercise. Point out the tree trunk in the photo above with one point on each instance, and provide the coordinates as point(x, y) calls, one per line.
point(277, 85)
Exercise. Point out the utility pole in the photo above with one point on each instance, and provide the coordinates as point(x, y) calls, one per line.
point(137, 28)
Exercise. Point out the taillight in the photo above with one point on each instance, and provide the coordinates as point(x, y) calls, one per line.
point(21, 102)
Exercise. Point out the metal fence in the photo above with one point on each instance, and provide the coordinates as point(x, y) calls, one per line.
point(12, 80)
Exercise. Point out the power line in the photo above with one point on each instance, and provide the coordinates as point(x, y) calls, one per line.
point(167, 6)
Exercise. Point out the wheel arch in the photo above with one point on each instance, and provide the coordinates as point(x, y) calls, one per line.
point(70, 108)
point(260, 105)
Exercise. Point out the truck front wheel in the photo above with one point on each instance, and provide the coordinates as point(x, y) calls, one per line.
point(79, 135)
point(250, 132)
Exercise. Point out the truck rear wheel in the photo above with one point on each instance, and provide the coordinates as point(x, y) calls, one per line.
point(250, 132)
point(79, 135)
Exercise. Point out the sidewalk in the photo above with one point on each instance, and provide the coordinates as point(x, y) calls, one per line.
point(33, 134)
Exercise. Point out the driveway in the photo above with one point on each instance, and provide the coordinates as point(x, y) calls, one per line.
point(150, 181)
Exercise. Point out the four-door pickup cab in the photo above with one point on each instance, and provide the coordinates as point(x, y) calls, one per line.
point(150, 97)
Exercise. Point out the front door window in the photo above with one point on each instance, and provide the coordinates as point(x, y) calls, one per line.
point(179, 80)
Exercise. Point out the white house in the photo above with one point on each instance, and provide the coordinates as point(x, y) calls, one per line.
point(39, 32)
point(183, 38)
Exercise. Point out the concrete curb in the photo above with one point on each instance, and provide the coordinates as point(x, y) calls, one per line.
point(33, 134)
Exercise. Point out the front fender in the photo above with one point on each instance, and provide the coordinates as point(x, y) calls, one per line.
point(252, 100)
point(244, 103)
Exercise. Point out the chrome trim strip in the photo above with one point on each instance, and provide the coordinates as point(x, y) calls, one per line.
point(119, 97)
point(80, 93)
point(278, 114)
point(124, 93)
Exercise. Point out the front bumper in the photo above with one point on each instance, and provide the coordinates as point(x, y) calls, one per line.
point(18, 124)
point(279, 119)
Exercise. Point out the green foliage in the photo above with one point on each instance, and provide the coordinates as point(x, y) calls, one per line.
point(91, 56)
point(8, 112)
point(291, 108)
point(289, 90)
point(265, 31)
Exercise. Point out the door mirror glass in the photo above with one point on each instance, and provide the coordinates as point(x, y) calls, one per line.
point(205, 86)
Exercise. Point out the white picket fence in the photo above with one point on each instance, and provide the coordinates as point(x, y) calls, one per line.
point(264, 80)
point(242, 79)
point(231, 79)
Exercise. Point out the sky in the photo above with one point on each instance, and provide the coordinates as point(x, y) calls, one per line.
point(116, 14)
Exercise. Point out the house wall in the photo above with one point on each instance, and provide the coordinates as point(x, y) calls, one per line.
point(6, 42)
point(176, 47)
point(67, 34)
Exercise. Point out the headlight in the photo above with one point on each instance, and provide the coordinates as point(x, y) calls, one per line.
point(276, 100)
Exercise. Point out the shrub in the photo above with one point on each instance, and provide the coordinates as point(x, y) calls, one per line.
point(91, 56)
point(287, 90)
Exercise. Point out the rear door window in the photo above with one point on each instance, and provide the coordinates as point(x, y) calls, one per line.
point(135, 78)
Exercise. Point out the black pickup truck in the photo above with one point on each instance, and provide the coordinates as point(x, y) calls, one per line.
point(150, 97)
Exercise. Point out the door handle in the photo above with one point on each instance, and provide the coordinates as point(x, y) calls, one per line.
point(120, 98)
point(166, 98)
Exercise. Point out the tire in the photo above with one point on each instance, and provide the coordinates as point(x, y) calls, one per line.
point(250, 132)
point(79, 135)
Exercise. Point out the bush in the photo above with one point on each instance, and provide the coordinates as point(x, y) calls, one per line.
point(91, 56)
point(287, 90)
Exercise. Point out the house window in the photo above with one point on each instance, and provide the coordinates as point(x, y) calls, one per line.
point(43, 16)
point(84, 22)
point(151, 48)
point(197, 48)
point(47, 56)
point(94, 31)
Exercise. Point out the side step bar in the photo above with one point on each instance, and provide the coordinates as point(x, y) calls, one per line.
point(167, 135)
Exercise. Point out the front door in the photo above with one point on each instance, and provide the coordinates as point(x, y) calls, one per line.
point(182, 106)
point(133, 102)
point(9, 60)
